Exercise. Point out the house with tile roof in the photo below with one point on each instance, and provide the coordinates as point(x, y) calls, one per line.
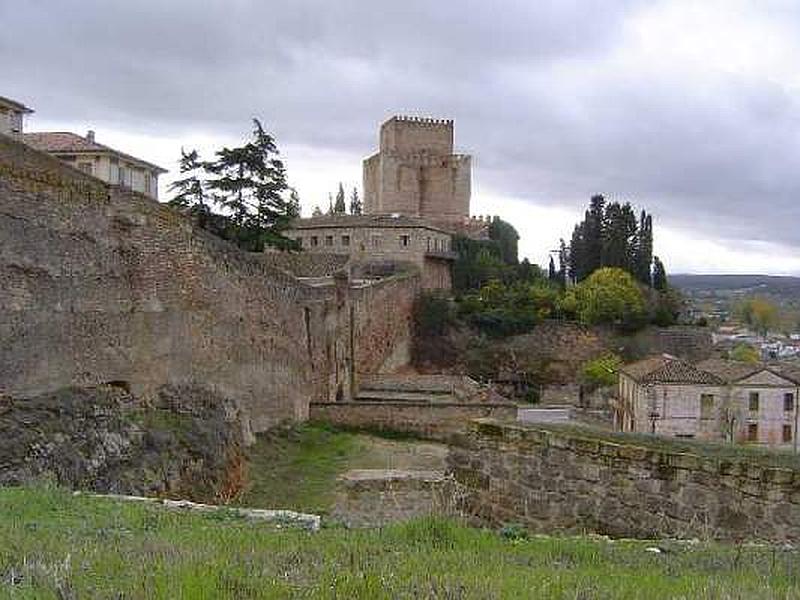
point(106, 163)
point(715, 399)
point(12, 116)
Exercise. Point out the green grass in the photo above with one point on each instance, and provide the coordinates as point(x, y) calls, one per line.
point(55, 545)
point(297, 468)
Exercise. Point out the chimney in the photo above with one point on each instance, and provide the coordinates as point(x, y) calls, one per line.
point(90, 135)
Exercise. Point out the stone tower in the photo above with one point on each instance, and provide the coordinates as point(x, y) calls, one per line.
point(415, 172)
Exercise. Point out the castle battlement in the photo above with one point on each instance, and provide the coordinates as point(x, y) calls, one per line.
point(422, 121)
point(428, 159)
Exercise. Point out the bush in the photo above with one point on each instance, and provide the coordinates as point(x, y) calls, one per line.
point(610, 295)
point(602, 371)
point(432, 315)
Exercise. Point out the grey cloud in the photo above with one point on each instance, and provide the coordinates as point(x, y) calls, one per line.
point(717, 154)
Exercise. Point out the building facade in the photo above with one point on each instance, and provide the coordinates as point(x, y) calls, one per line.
point(12, 117)
point(415, 172)
point(108, 164)
point(718, 400)
point(381, 240)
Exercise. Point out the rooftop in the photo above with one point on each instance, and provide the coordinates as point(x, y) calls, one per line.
point(67, 142)
point(668, 369)
point(14, 105)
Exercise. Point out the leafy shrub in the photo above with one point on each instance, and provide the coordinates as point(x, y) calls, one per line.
point(601, 371)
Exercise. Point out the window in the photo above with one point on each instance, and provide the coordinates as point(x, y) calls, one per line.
point(706, 406)
point(345, 240)
point(86, 167)
point(753, 401)
point(314, 240)
point(684, 436)
point(329, 240)
point(788, 402)
point(752, 432)
point(122, 175)
point(146, 183)
point(404, 241)
point(787, 433)
point(376, 241)
point(429, 244)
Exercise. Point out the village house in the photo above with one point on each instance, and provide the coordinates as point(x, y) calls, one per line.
point(715, 399)
point(12, 116)
point(88, 155)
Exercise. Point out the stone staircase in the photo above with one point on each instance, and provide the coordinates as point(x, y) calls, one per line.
point(428, 389)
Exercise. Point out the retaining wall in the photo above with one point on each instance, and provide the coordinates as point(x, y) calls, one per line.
point(559, 480)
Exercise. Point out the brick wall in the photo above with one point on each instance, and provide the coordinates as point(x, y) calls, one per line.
point(561, 480)
point(436, 421)
point(99, 284)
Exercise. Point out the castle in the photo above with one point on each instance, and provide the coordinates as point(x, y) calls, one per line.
point(415, 172)
point(416, 196)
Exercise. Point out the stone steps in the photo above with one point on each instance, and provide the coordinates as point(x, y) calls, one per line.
point(387, 395)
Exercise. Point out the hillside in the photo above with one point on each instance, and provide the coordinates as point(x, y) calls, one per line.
point(768, 284)
point(56, 545)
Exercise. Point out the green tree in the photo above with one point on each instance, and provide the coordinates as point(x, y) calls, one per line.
point(643, 258)
point(190, 190)
point(552, 273)
point(507, 239)
point(356, 208)
point(610, 295)
point(339, 207)
point(745, 353)
point(660, 282)
point(293, 205)
point(601, 372)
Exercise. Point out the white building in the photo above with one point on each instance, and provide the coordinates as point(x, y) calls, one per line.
point(713, 400)
point(108, 164)
point(12, 116)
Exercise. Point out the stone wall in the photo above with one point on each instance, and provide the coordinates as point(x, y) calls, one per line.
point(435, 421)
point(99, 284)
point(377, 497)
point(564, 480)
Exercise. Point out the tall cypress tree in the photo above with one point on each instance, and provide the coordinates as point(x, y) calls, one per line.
point(595, 222)
point(660, 282)
point(339, 207)
point(356, 207)
point(643, 258)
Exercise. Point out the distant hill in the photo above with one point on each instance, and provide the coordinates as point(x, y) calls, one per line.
point(767, 284)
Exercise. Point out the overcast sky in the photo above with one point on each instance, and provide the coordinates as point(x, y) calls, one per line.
point(690, 109)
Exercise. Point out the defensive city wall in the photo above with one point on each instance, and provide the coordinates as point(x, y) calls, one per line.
point(102, 285)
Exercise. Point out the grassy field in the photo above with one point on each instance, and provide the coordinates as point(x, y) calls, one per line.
point(297, 468)
point(56, 545)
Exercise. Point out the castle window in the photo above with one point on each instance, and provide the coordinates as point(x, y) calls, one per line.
point(329, 240)
point(753, 403)
point(752, 432)
point(86, 167)
point(345, 240)
point(404, 241)
point(429, 244)
point(788, 402)
point(706, 406)
point(787, 433)
point(314, 240)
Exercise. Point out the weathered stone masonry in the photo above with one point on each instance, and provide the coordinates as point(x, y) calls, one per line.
point(554, 480)
point(103, 285)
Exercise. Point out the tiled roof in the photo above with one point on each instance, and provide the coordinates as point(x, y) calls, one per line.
point(730, 370)
point(383, 220)
point(14, 104)
point(65, 141)
point(668, 369)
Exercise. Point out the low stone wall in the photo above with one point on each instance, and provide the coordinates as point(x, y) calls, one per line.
point(377, 497)
point(560, 480)
point(439, 421)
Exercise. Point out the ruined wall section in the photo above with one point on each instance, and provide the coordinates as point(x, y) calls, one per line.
point(100, 285)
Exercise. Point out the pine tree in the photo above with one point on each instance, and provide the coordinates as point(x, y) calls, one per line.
point(293, 205)
point(355, 203)
point(593, 231)
point(339, 208)
point(190, 190)
point(563, 262)
point(660, 282)
point(250, 185)
point(317, 211)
